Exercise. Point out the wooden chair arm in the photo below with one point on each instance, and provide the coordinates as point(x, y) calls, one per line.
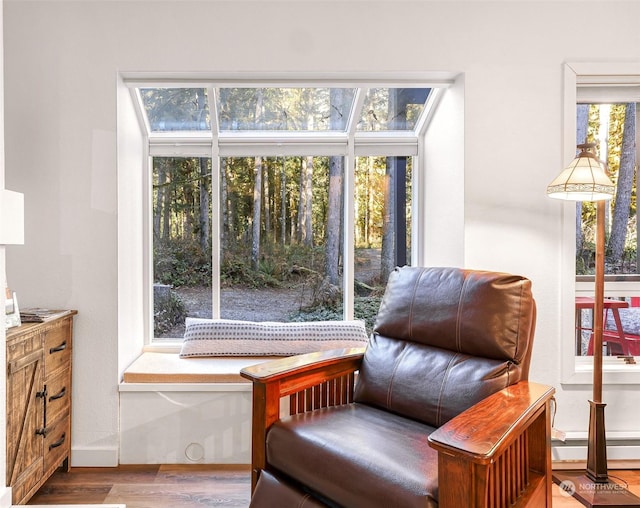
point(483, 431)
point(295, 373)
point(311, 381)
point(498, 452)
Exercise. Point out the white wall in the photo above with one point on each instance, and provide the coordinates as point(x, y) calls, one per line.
point(5, 493)
point(61, 65)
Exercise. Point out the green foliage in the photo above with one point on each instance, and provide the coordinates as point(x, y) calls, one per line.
point(364, 308)
point(237, 271)
point(181, 263)
point(278, 265)
point(167, 312)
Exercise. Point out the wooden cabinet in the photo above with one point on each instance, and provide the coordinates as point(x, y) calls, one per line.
point(38, 402)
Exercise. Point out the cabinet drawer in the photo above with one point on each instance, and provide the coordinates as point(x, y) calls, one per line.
point(56, 443)
point(57, 348)
point(23, 351)
point(58, 395)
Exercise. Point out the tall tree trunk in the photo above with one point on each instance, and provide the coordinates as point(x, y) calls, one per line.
point(369, 211)
point(205, 193)
point(166, 203)
point(257, 190)
point(283, 203)
point(357, 222)
point(188, 189)
point(334, 200)
point(293, 222)
point(226, 225)
point(387, 257)
point(160, 190)
point(370, 200)
point(257, 201)
point(308, 204)
point(624, 187)
point(301, 200)
point(334, 220)
point(266, 189)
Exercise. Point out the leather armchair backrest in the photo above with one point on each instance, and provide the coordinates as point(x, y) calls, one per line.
point(444, 339)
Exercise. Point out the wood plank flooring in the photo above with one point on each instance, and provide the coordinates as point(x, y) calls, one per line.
point(191, 486)
point(174, 486)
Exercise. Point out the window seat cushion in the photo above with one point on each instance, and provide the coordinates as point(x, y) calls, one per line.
point(152, 367)
point(224, 337)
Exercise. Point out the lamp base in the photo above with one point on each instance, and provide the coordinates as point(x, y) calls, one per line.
point(578, 485)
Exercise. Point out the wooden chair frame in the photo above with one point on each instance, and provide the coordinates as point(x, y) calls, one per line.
point(495, 454)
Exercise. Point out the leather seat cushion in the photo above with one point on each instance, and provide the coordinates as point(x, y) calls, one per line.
point(357, 456)
point(272, 492)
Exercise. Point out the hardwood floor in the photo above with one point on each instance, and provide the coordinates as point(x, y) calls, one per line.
point(173, 486)
point(176, 486)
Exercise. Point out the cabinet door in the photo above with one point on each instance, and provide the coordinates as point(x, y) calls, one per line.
point(25, 415)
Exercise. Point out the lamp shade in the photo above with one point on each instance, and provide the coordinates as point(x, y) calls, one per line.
point(585, 179)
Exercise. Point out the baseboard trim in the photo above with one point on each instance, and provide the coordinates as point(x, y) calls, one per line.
point(94, 457)
point(621, 448)
point(563, 465)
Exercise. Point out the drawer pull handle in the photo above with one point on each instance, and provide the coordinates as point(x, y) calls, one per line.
point(58, 442)
point(59, 348)
point(42, 431)
point(58, 395)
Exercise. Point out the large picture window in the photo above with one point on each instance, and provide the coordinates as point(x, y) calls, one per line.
point(278, 203)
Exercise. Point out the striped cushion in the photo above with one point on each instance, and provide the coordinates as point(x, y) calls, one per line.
point(224, 337)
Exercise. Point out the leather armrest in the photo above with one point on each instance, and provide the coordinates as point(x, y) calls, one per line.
point(483, 431)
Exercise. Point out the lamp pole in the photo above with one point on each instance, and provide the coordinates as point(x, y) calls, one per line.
point(597, 443)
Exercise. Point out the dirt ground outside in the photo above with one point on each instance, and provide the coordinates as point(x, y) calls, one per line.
point(264, 304)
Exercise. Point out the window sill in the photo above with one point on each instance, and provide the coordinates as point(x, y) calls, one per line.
point(614, 372)
point(163, 346)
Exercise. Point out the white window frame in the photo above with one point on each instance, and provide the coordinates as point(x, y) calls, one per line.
point(578, 370)
point(352, 144)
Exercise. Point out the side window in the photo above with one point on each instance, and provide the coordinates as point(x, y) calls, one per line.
point(182, 257)
point(612, 127)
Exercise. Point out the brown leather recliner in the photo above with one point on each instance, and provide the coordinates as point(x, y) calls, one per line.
point(441, 414)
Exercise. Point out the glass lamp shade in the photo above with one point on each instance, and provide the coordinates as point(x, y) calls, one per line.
point(583, 180)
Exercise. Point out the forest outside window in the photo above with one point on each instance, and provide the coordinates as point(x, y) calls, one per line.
point(278, 203)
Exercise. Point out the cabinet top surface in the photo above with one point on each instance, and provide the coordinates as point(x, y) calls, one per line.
point(27, 327)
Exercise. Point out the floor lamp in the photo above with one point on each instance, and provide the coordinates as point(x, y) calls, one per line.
point(585, 179)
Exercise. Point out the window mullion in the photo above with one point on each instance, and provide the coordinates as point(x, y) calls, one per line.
point(356, 113)
point(349, 238)
point(215, 208)
point(348, 278)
